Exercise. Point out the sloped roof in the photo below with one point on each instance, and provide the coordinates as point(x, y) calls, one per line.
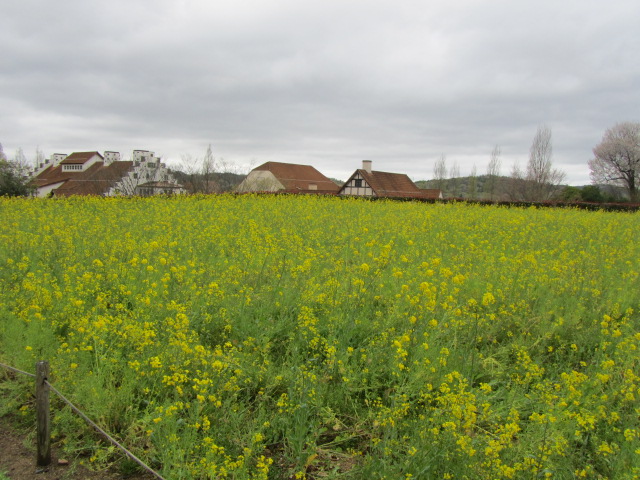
point(51, 175)
point(80, 157)
point(296, 177)
point(431, 193)
point(160, 185)
point(385, 184)
point(96, 180)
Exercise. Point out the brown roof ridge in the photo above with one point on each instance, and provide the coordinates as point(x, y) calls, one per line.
point(295, 176)
point(389, 183)
point(283, 163)
point(380, 171)
point(80, 157)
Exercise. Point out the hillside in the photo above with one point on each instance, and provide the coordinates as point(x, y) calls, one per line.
point(486, 187)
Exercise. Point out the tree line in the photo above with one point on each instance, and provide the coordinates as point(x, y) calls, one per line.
point(14, 174)
point(614, 171)
point(615, 163)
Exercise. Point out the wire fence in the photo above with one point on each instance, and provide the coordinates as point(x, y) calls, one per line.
point(13, 369)
point(112, 440)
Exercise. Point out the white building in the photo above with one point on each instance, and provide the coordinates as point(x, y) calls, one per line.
point(89, 173)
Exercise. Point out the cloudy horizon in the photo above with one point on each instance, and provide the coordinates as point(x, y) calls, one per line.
point(326, 84)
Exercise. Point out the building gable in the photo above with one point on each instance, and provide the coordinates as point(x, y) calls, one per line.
point(80, 161)
point(288, 177)
point(366, 182)
point(357, 185)
point(103, 176)
point(260, 181)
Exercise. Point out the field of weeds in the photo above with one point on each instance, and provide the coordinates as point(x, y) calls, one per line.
point(306, 337)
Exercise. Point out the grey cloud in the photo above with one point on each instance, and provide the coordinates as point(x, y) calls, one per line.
point(328, 83)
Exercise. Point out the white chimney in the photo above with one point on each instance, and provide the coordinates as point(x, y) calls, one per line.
point(366, 165)
point(110, 157)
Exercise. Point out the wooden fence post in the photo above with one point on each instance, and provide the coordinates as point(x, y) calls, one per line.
point(42, 414)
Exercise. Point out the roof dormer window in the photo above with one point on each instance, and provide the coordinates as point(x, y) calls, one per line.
point(71, 167)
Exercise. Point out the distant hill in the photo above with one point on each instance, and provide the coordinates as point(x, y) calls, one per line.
point(220, 181)
point(480, 187)
point(485, 187)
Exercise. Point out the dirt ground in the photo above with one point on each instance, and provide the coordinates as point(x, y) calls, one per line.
point(18, 461)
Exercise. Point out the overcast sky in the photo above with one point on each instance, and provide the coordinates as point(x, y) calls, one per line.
point(325, 83)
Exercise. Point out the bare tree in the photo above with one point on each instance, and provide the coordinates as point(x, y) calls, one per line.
point(539, 165)
point(541, 179)
point(440, 172)
point(143, 177)
point(209, 183)
point(39, 158)
point(454, 183)
point(493, 172)
point(229, 175)
point(514, 186)
point(472, 192)
point(617, 158)
point(201, 173)
point(190, 168)
point(127, 184)
point(20, 162)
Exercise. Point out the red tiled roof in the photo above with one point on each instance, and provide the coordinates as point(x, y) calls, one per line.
point(433, 193)
point(96, 180)
point(385, 184)
point(51, 175)
point(80, 157)
point(297, 178)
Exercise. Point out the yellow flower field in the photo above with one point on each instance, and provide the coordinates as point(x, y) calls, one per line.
point(309, 337)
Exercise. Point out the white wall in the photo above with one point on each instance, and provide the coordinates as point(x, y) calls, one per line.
point(44, 191)
point(260, 181)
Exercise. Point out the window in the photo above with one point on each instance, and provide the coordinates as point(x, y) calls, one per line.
point(70, 167)
point(358, 182)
